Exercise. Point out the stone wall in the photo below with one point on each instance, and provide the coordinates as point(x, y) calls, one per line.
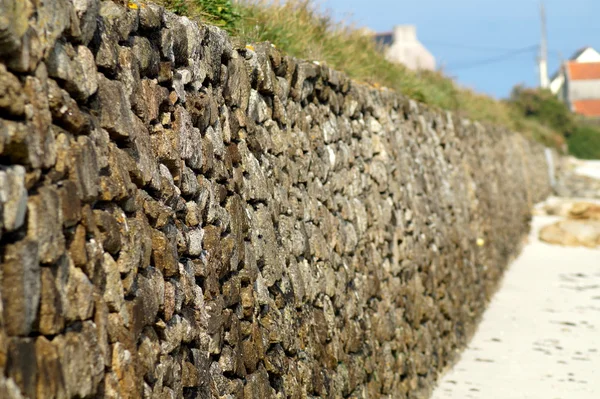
point(182, 216)
point(576, 183)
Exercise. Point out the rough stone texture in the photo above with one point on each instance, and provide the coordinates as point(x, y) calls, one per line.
point(580, 228)
point(572, 183)
point(184, 218)
point(572, 233)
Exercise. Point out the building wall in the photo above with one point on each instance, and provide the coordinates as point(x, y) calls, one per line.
point(557, 84)
point(584, 90)
point(589, 55)
point(406, 49)
point(182, 217)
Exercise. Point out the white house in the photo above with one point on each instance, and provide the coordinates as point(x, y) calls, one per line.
point(577, 82)
point(402, 46)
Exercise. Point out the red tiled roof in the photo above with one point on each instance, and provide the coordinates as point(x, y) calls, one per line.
point(587, 107)
point(584, 70)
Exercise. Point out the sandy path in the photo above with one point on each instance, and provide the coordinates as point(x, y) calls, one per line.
point(540, 337)
point(589, 168)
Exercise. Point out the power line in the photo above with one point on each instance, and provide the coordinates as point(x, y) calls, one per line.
point(493, 60)
point(466, 46)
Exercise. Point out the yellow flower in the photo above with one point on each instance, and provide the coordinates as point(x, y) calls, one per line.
point(480, 242)
point(250, 47)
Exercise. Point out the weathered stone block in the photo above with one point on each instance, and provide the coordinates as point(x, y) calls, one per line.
point(237, 88)
point(77, 291)
point(114, 108)
point(13, 197)
point(86, 12)
point(45, 224)
point(70, 205)
point(110, 231)
point(20, 286)
point(75, 67)
point(113, 290)
point(50, 378)
point(164, 254)
point(136, 248)
point(15, 16)
point(50, 319)
point(12, 99)
point(75, 357)
point(21, 365)
point(83, 168)
point(146, 56)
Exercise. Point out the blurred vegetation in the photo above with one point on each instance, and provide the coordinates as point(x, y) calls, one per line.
point(302, 29)
point(584, 143)
point(221, 13)
point(582, 135)
point(545, 107)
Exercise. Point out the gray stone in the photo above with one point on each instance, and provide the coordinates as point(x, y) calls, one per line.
point(236, 91)
point(124, 369)
point(109, 229)
point(21, 364)
point(77, 291)
point(11, 93)
point(195, 239)
point(20, 286)
point(136, 247)
point(14, 16)
point(164, 254)
point(118, 19)
point(146, 57)
point(9, 389)
point(83, 168)
point(13, 197)
point(257, 108)
point(51, 319)
point(87, 13)
point(189, 139)
point(40, 140)
point(45, 224)
point(114, 107)
point(52, 19)
point(107, 55)
point(23, 48)
point(50, 381)
point(113, 290)
point(151, 17)
point(77, 363)
point(76, 68)
point(65, 111)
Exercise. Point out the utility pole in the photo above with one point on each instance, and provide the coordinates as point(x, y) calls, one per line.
point(543, 57)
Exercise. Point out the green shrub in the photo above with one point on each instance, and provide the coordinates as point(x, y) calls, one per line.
point(221, 13)
point(584, 143)
point(545, 107)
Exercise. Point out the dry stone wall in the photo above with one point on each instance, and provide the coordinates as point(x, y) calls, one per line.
point(182, 216)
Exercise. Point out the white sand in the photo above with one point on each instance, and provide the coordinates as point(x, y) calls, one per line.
point(540, 337)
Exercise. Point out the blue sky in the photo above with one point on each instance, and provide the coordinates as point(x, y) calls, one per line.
point(490, 26)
